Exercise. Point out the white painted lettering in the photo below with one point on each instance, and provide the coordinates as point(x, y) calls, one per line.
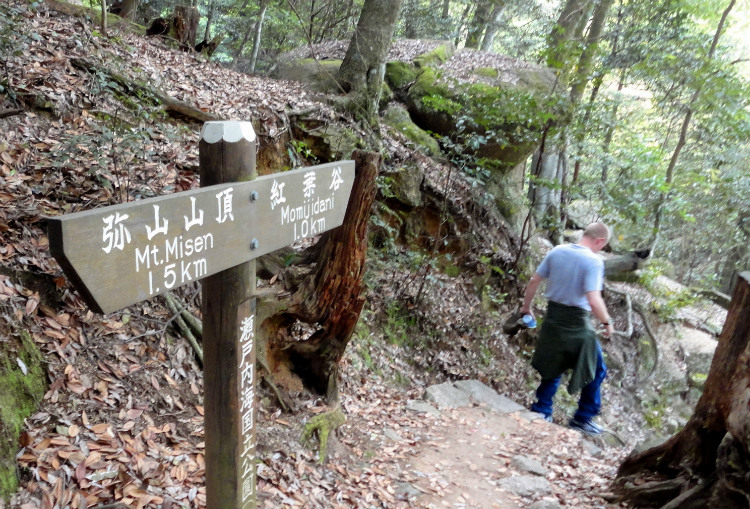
point(141, 258)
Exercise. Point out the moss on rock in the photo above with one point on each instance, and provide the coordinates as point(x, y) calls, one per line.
point(439, 55)
point(502, 121)
point(399, 74)
point(326, 142)
point(397, 117)
point(487, 72)
point(22, 386)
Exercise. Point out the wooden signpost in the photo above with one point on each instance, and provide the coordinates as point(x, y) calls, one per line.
point(119, 255)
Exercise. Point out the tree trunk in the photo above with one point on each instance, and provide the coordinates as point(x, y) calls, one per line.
point(586, 60)
point(492, 26)
point(707, 463)
point(548, 168)
point(256, 38)
point(209, 21)
point(129, 8)
point(333, 297)
point(607, 143)
point(104, 18)
point(478, 24)
point(411, 19)
point(238, 53)
point(460, 25)
point(562, 39)
point(363, 67)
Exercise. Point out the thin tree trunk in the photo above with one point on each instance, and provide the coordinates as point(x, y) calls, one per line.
point(611, 132)
point(209, 20)
point(565, 32)
point(663, 196)
point(410, 19)
point(464, 16)
point(238, 53)
point(104, 18)
point(586, 60)
point(256, 39)
point(493, 26)
point(478, 24)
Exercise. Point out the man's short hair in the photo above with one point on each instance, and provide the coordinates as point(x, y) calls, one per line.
point(597, 231)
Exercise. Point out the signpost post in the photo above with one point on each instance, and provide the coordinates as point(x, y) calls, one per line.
point(119, 255)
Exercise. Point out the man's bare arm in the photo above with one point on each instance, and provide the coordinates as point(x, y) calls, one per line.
point(599, 309)
point(528, 296)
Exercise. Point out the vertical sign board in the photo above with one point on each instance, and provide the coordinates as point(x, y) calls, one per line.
point(119, 255)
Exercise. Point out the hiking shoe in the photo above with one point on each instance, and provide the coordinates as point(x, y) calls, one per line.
point(587, 428)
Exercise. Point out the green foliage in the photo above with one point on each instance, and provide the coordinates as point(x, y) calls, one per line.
point(399, 326)
point(301, 150)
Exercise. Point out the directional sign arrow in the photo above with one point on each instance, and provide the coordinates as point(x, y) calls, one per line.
point(119, 255)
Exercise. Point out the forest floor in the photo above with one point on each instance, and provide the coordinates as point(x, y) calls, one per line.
point(122, 418)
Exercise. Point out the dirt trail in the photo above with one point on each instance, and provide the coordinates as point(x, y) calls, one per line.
point(473, 451)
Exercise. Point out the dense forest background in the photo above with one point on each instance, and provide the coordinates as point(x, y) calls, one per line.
point(631, 112)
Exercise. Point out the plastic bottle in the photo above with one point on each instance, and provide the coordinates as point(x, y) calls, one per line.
point(529, 321)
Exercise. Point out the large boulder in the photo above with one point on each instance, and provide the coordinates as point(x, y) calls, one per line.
point(318, 75)
point(499, 110)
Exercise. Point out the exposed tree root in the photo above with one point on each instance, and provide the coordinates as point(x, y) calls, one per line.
point(323, 425)
point(178, 312)
point(652, 339)
point(652, 493)
point(11, 112)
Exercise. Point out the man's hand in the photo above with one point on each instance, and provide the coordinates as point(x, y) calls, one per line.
point(608, 330)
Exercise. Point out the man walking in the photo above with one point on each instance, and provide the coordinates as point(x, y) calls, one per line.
point(574, 275)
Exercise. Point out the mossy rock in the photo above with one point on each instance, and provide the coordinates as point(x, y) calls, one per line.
point(327, 141)
point(438, 56)
point(22, 386)
point(397, 117)
point(405, 184)
point(399, 74)
point(502, 118)
point(318, 75)
point(506, 188)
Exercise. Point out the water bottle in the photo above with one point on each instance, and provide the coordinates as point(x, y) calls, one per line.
point(529, 321)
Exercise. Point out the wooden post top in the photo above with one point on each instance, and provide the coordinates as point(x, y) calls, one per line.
point(228, 131)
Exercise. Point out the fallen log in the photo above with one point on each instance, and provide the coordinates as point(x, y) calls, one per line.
point(629, 262)
point(171, 106)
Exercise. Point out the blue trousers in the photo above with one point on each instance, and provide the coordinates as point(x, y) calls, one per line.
point(590, 401)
